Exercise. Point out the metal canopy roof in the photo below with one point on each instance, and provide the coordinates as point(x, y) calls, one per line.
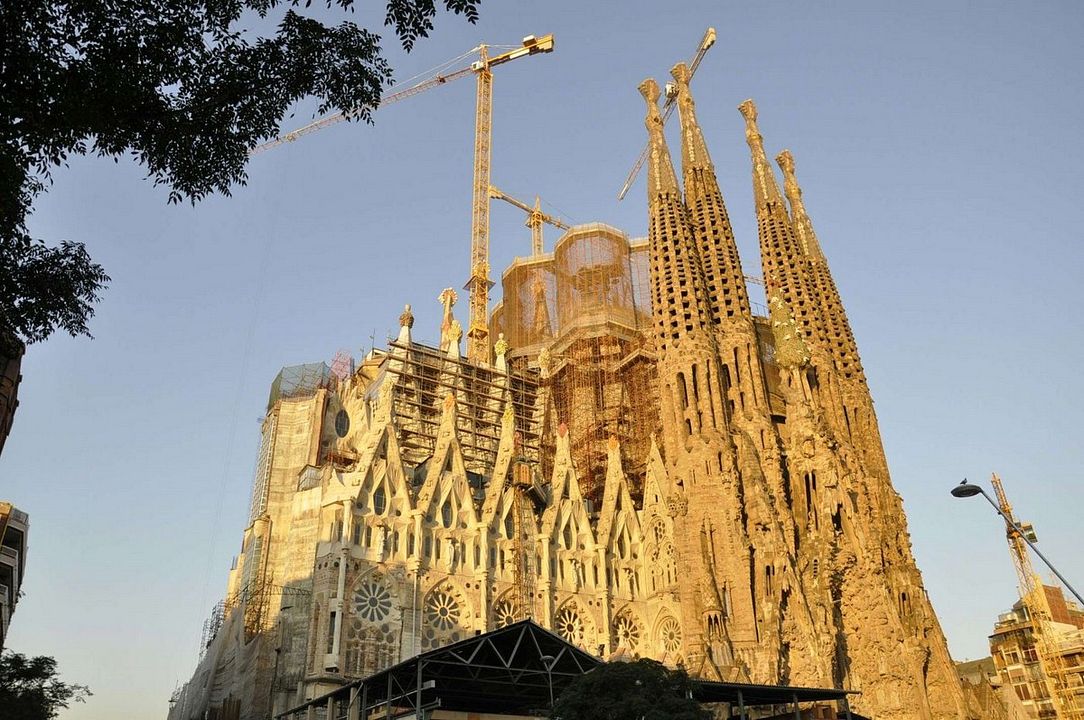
point(514, 670)
point(713, 692)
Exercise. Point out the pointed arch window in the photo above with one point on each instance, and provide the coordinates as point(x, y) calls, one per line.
point(566, 536)
point(380, 501)
point(509, 525)
point(446, 513)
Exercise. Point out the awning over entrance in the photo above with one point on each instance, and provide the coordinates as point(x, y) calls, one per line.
point(516, 670)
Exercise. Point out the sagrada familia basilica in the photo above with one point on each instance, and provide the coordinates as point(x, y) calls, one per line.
point(648, 464)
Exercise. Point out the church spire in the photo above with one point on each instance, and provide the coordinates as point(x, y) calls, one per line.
point(676, 280)
point(839, 335)
point(712, 231)
point(786, 268)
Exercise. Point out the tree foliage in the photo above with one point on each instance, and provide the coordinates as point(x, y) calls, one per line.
point(31, 690)
point(176, 84)
point(641, 690)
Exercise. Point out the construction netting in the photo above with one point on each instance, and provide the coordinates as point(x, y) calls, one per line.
point(300, 381)
point(594, 278)
point(589, 303)
point(640, 269)
point(528, 310)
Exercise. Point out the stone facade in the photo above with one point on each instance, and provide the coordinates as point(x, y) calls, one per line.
point(685, 481)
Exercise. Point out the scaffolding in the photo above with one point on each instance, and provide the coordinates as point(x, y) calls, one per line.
point(425, 376)
point(528, 316)
point(211, 626)
point(594, 278)
point(300, 381)
point(602, 376)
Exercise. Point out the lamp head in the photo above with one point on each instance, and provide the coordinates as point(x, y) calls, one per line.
point(966, 489)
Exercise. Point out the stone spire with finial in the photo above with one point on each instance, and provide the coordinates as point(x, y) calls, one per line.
point(712, 231)
point(786, 268)
point(840, 338)
point(677, 285)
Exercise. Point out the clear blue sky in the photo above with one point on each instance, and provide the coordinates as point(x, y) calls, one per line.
point(940, 150)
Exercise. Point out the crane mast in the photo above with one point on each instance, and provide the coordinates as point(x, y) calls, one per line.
point(1035, 601)
point(479, 283)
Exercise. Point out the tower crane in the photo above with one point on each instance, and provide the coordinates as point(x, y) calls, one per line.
point(1037, 605)
point(668, 108)
point(479, 283)
point(535, 217)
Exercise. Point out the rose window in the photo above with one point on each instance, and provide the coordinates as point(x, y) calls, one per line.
point(627, 632)
point(670, 635)
point(372, 601)
point(570, 625)
point(504, 613)
point(442, 610)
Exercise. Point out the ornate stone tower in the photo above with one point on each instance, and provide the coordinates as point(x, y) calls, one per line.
point(709, 536)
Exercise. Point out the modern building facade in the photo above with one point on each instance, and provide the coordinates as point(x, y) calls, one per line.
point(648, 466)
point(1016, 655)
point(14, 526)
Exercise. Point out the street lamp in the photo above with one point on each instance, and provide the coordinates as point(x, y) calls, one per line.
point(549, 661)
point(966, 490)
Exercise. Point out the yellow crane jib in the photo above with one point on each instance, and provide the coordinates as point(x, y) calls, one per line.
point(535, 218)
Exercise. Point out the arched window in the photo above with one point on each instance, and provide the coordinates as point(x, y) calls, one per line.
point(566, 536)
point(446, 513)
point(380, 501)
point(509, 526)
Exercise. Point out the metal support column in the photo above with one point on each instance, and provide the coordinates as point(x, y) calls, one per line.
point(797, 710)
point(846, 708)
point(741, 706)
point(418, 692)
point(387, 700)
point(353, 710)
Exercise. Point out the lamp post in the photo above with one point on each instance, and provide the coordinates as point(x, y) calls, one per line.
point(966, 490)
point(549, 661)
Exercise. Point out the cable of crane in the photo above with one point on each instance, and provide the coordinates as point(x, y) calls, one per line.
point(427, 77)
point(433, 71)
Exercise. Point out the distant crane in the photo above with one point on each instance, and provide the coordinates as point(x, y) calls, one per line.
point(535, 218)
point(668, 109)
point(479, 283)
point(1037, 605)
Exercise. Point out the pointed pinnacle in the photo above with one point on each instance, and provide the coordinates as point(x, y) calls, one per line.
point(661, 177)
point(694, 151)
point(765, 189)
point(803, 227)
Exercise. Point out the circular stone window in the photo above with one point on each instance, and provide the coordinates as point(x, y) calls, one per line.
point(342, 423)
point(372, 601)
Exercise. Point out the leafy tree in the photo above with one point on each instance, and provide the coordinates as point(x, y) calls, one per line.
point(176, 84)
point(31, 690)
point(641, 690)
